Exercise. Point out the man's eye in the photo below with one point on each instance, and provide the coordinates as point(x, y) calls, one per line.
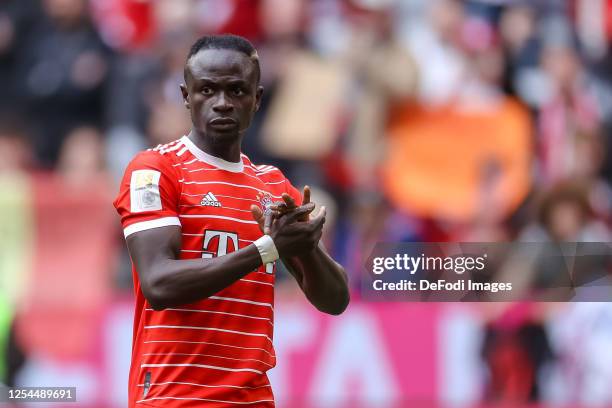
point(238, 92)
point(207, 91)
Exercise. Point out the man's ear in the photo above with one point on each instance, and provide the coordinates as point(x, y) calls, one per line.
point(185, 96)
point(258, 95)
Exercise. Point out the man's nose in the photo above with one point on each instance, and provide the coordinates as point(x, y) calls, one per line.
point(222, 103)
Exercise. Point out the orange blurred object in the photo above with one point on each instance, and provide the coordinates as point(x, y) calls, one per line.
point(439, 160)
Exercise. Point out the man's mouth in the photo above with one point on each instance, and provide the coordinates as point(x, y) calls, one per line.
point(223, 123)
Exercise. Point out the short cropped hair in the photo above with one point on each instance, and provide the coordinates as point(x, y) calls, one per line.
point(226, 42)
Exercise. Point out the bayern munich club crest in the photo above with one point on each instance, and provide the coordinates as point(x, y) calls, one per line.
point(265, 200)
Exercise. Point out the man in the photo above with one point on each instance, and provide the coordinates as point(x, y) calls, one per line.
point(193, 212)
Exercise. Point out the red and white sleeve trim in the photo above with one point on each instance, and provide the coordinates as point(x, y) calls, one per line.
point(145, 225)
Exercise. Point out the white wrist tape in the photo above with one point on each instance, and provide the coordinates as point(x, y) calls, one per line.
point(267, 249)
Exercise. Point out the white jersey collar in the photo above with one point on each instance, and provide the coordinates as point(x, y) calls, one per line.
point(234, 167)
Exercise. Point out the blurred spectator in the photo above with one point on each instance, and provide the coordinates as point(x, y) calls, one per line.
point(570, 109)
point(240, 17)
point(63, 72)
point(15, 213)
point(566, 215)
point(282, 39)
point(166, 121)
point(593, 20)
point(15, 225)
point(488, 222)
point(377, 89)
point(481, 85)
point(371, 219)
point(17, 19)
point(15, 152)
point(303, 120)
point(127, 25)
point(515, 351)
point(580, 336)
point(435, 44)
point(81, 159)
point(517, 28)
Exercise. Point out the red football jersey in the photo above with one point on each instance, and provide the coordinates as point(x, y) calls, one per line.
point(214, 352)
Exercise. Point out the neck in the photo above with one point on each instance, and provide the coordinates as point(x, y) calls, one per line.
point(227, 151)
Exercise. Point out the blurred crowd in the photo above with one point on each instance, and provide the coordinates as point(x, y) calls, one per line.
point(412, 120)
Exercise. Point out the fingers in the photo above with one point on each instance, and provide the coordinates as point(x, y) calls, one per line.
point(306, 195)
point(321, 214)
point(263, 218)
point(315, 223)
point(256, 213)
point(305, 200)
point(280, 207)
point(289, 201)
point(289, 204)
point(311, 231)
point(268, 218)
point(287, 209)
point(258, 216)
point(316, 226)
point(299, 212)
point(319, 219)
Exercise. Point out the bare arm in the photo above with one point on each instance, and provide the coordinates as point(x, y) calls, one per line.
point(323, 280)
point(167, 281)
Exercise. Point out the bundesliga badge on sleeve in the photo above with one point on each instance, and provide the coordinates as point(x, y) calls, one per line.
point(144, 191)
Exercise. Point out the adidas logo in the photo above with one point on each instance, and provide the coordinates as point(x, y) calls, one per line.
point(210, 200)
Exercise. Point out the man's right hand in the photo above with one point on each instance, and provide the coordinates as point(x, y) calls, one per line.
point(290, 235)
point(293, 237)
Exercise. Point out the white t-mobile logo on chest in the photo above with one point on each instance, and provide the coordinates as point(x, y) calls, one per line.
point(224, 238)
point(222, 247)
